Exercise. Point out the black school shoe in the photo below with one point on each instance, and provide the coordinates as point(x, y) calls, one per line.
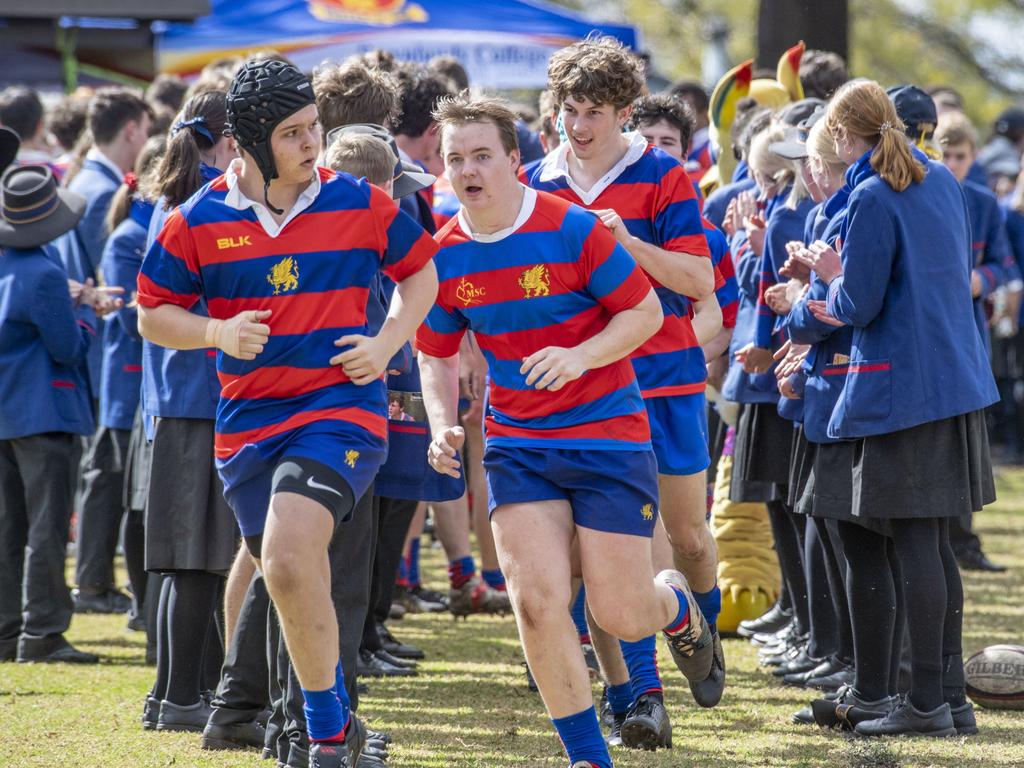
point(827, 667)
point(798, 665)
point(150, 713)
point(775, 619)
point(833, 682)
point(847, 710)
point(52, 649)
point(775, 656)
point(329, 754)
point(963, 719)
point(109, 601)
point(370, 664)
point(779, 637)
point(647, 725)
point(248, 735)
point(976, 560)
point(397, 648)
point(191, 718)
point(383, 655)
point(906, 719)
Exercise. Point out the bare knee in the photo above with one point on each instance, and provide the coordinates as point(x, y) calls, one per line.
point(285, 571)
point(537, 604)
point(618, 620)
point(690, 541)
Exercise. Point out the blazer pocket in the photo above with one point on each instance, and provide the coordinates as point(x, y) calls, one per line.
point(66, 401)
point(868, 389)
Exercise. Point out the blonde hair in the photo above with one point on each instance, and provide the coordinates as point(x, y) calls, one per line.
point(782, 171)
point(954, 128)
point(821, 145)
point(362, 155)
point(861, 108)
point(466, 108)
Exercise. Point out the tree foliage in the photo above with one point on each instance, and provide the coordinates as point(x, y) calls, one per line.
point(927, 42)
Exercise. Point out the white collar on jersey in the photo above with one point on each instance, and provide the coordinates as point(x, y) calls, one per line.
point(525, 212)
point(556, 164)
point(237, 200)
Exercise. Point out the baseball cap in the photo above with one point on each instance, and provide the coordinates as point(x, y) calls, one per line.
point(915, 108)
point(408, 177)
point(794, 146)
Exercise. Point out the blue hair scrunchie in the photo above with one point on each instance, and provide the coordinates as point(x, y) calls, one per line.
point(195, 124)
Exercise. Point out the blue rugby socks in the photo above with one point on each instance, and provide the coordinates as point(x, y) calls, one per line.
point(579, 615)
point(495, 579)
point(620, 698)
point(710, 605)
point(327, 712)
point(682, 619)
point(642, 663)
point(582, 739)
point(461, 571)
point(412, 564)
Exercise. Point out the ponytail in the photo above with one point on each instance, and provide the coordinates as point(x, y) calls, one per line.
point(121, 204)
point(861, 108)
point(178, 176)
point(198, 129)
point(893, 161)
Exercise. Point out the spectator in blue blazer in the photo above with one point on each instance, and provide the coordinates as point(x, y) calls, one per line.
point(993, 258)
point(912, 400)
point(190, 532)
point(44, 403)
point(119, 121)
point(994, 267)
point(121, 384)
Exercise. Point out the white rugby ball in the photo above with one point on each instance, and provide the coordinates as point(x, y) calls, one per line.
point(995, 677)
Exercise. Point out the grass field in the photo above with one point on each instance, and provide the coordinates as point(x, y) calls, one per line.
point(470, 706)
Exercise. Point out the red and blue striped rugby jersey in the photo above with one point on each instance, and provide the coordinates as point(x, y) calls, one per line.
point(314, 276)
point(555, 281)
point(655, 198)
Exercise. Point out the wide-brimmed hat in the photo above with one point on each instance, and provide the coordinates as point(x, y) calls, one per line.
point(408, 177)
point(33, 209)
point(9, 145)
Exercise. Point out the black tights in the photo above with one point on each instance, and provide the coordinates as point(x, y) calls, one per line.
point(187, 639)
point(788, 530)
point(913, 573)
point(830, 634)
point(835, 566)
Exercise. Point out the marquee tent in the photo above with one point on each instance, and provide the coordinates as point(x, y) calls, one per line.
point(502, 43)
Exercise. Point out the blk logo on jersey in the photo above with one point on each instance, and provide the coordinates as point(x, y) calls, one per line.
point(351, 457)
point(232, 242)
point(535, 282)
point(284, 275)
point(647, 511)
point(468, 293)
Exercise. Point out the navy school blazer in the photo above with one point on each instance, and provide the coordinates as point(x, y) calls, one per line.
point(916, 355)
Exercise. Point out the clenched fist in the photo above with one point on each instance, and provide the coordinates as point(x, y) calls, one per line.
point(242, 336)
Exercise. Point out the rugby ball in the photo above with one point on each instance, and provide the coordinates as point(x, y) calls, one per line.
point(995, 677)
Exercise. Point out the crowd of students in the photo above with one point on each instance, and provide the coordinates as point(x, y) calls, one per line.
point(255, 329)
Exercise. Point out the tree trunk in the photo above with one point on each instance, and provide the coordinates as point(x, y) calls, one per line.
point(781, 24)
